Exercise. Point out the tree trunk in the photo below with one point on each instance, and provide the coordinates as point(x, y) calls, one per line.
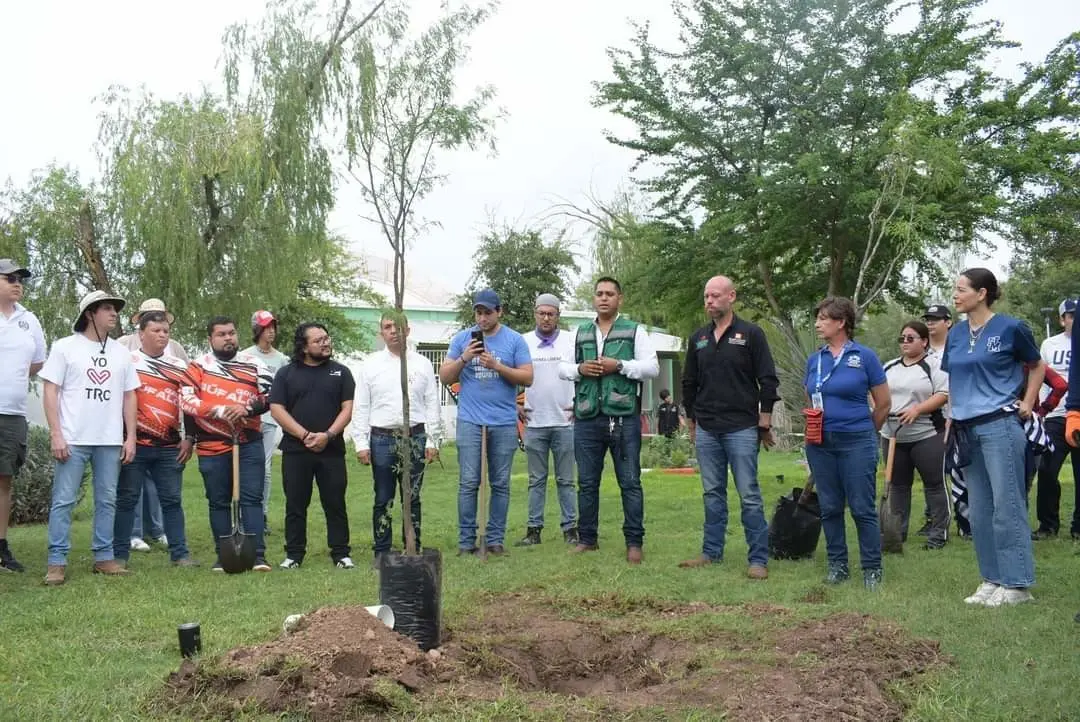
point(87, 243)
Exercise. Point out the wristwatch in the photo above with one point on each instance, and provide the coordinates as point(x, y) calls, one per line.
point(619, 366)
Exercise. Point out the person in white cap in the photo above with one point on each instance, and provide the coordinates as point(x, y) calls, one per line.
point(22, 346)
point(90, 406)
point(548, 414)
point(264, 328)
point(148, 506)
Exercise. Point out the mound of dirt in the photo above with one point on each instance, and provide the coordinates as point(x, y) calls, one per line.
point(759, 663)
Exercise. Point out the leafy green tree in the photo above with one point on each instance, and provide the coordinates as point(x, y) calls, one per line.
point(1034, 285)
point(824, 150)
point(519, 266)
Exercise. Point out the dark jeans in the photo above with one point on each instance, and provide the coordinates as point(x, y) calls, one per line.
point(217, 479)
point(160, 465)
point(298, 470)
point(926, 456)
point(1048, 494)
point(386, 474)
point(593, 439)
point(844, 466)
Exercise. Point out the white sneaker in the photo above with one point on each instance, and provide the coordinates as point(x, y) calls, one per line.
point(1005, 596)
point(162, 540)
point(289, 564)
point(983, 594)
point(138, 545)
point(345, 563)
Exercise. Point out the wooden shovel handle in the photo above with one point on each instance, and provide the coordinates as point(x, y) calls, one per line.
point(890, 457)
point(235, 469)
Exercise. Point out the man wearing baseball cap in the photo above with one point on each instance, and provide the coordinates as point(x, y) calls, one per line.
point(1056, 351)
point(938, 320)
point(264, 328)
point(22, 346)
point(90, 405)
point(548, 413)
point(491, 361)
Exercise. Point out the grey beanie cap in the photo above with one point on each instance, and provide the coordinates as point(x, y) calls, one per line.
point(547, 299)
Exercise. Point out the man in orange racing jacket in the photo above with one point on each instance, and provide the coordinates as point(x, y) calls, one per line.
point(228, 393)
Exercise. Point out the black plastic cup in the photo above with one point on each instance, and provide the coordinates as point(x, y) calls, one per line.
point(190, 639)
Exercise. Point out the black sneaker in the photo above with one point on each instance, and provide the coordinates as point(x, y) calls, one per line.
point(8, 563)
point(934, 545)
point(570, 536)
point(872, 579)
point(837, 574)
point(532, 537)
point(1042, 534)
point(924, 530)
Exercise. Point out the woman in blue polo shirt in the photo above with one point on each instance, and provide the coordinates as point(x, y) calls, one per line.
point(985, 357)
point(839, 379)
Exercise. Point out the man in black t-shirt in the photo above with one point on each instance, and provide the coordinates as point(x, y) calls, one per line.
point(668, 418)
point(312, 399)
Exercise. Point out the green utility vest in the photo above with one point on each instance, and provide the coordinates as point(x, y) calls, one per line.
point(613, 394)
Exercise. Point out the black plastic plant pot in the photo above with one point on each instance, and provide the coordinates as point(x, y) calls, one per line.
point(412, 587)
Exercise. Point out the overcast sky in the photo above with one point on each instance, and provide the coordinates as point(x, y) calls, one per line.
point(541, 56)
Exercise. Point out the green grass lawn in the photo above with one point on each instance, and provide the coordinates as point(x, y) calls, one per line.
point(100, 648)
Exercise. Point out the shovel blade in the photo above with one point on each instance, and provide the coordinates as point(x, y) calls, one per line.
point(237, 552)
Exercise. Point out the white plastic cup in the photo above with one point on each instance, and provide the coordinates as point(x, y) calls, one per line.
point(383, 613)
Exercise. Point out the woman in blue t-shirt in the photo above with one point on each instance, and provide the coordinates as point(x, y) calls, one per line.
point(839, 378)
point(985, 357)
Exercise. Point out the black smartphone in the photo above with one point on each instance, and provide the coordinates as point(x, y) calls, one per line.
point(478, 337)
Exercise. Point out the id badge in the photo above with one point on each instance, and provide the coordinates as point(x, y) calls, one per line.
point(817, 401)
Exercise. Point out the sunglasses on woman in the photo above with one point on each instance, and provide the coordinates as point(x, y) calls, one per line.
point(908, 339)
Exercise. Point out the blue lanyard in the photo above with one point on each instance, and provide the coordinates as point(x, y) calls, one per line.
point(822, 381)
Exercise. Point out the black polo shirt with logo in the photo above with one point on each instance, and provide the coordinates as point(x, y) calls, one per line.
point(313, 395)
point(726, 382)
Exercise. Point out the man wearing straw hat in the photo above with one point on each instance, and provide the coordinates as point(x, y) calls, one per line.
point(148, 506)
point(90, 406)
point(131, 340)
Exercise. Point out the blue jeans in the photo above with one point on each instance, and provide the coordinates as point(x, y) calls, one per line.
point(844, 466)
point(386, 474)
point(995, 481)
point(715, 452)
point(593, 439)
point(501, 444)
point(559, 442)
point(159, 464)
point(217, 479)
point(67, 478)
point(148, 507)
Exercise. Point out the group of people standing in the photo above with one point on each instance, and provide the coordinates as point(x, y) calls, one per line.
point(966, 401)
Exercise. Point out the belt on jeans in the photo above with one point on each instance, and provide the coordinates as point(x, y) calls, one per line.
point(382, 431)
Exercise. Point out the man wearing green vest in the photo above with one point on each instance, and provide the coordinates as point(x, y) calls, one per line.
point(612, 355)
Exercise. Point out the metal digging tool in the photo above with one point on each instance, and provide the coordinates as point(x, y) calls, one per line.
point(481, 521)
point(892, 536)
point(237, 550)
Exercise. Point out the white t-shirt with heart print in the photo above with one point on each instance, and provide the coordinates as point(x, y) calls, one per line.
point(92, 383)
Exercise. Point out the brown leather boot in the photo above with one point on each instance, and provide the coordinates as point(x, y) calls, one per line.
point(701, 561)
point(54, 575)
point(111, 568)
point(756, 571)
point(579, 548)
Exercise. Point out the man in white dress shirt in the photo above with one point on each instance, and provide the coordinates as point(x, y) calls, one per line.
point(377, 425)
point(612, 357)
point(548, 414)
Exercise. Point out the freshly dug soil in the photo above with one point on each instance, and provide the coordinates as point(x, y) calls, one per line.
point(760, 664)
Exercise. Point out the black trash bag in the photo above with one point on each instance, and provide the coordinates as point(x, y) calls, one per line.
point(795, 527)
point(412, 587)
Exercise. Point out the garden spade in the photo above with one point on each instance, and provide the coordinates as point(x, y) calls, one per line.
point(481, 521)
point(892, 536)
point(237, 550)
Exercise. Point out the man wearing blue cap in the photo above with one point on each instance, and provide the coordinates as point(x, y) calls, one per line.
point(491, 361)
point(1057, 353)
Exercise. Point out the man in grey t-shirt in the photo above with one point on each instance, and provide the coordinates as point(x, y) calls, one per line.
point(264, 329)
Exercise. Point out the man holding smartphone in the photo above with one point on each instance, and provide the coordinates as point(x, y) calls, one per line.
point(491, 361)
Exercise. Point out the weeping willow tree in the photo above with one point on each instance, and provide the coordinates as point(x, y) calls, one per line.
point(217, 204)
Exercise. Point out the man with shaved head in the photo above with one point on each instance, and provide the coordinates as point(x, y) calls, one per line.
point(729, 389)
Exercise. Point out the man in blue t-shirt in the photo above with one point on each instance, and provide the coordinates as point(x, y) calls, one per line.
point(490, 370)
